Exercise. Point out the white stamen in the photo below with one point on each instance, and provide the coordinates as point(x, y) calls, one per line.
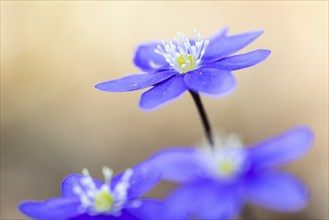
point(107, 172)
point(227, 158)
point(95, 200)
point(77, 189)
point(120, 190)
point(85, 172)
point(181, 55)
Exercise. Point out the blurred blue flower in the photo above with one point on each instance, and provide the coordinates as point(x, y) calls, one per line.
point(86, 198)
point(173, 67)
point(218, 182)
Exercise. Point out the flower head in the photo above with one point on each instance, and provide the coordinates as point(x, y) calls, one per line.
point(216, 183)
point(199, 65)
point(102, 200)
point(117, 198)
point(182, 55)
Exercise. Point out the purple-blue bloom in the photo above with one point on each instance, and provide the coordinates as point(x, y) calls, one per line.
point(199, 65)
point(216, 183)
point(85, 198)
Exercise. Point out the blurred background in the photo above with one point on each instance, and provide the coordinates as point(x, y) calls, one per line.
point(54, 122)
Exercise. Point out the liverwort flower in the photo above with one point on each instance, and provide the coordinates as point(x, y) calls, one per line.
point(215, 184)
point(117, 198)
point(198, 65)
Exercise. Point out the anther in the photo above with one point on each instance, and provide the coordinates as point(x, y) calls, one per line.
point(181, 55)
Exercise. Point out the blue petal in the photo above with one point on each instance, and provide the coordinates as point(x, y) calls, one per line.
point(210, 80)
point(282, 148)
point(74, 179)
point(221, 34)
point(206, 199)
point(56, 208)
point(242, 60)
point(124, 215)
point(155, 209)
point(134, 82)
point(163, 93)
point(222, 46)
point(147, 60)
point(143, 179)
point(179, 164)
point(277, 190)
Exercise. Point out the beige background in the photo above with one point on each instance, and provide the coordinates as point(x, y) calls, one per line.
point(53, 121)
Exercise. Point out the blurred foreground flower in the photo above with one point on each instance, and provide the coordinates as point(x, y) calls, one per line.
point(195, 64)
point(216, 183)
point(86, 198)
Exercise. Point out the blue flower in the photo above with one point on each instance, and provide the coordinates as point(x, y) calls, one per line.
point(198, 65)
point(85, 198)
point(218, 182)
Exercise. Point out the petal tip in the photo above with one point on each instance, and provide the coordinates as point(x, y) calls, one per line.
point(255, 34)
point(264, 54)
point(305, 131)
point(21, 207)
point(266, 51)
point(224, 30)
point(25, 208)
point(259, 32)
point(100, 86)
point(109, 86)
point(147, 109)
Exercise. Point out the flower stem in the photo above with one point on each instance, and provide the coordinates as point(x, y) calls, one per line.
point(203, 116)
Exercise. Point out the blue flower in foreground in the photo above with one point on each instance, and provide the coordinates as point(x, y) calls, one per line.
point(86, 198)
point(217, 183)
point(198, 65)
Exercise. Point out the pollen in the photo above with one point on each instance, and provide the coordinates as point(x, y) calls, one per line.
point(229, 161)
point(103, 201)
point(228, 158)
point(186, 63)
point(227, 168)
point(182, 54)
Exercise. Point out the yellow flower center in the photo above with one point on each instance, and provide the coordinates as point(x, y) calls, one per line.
point(186, 62)
point(227, 168)
point(103, 201)
point(183, 55)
